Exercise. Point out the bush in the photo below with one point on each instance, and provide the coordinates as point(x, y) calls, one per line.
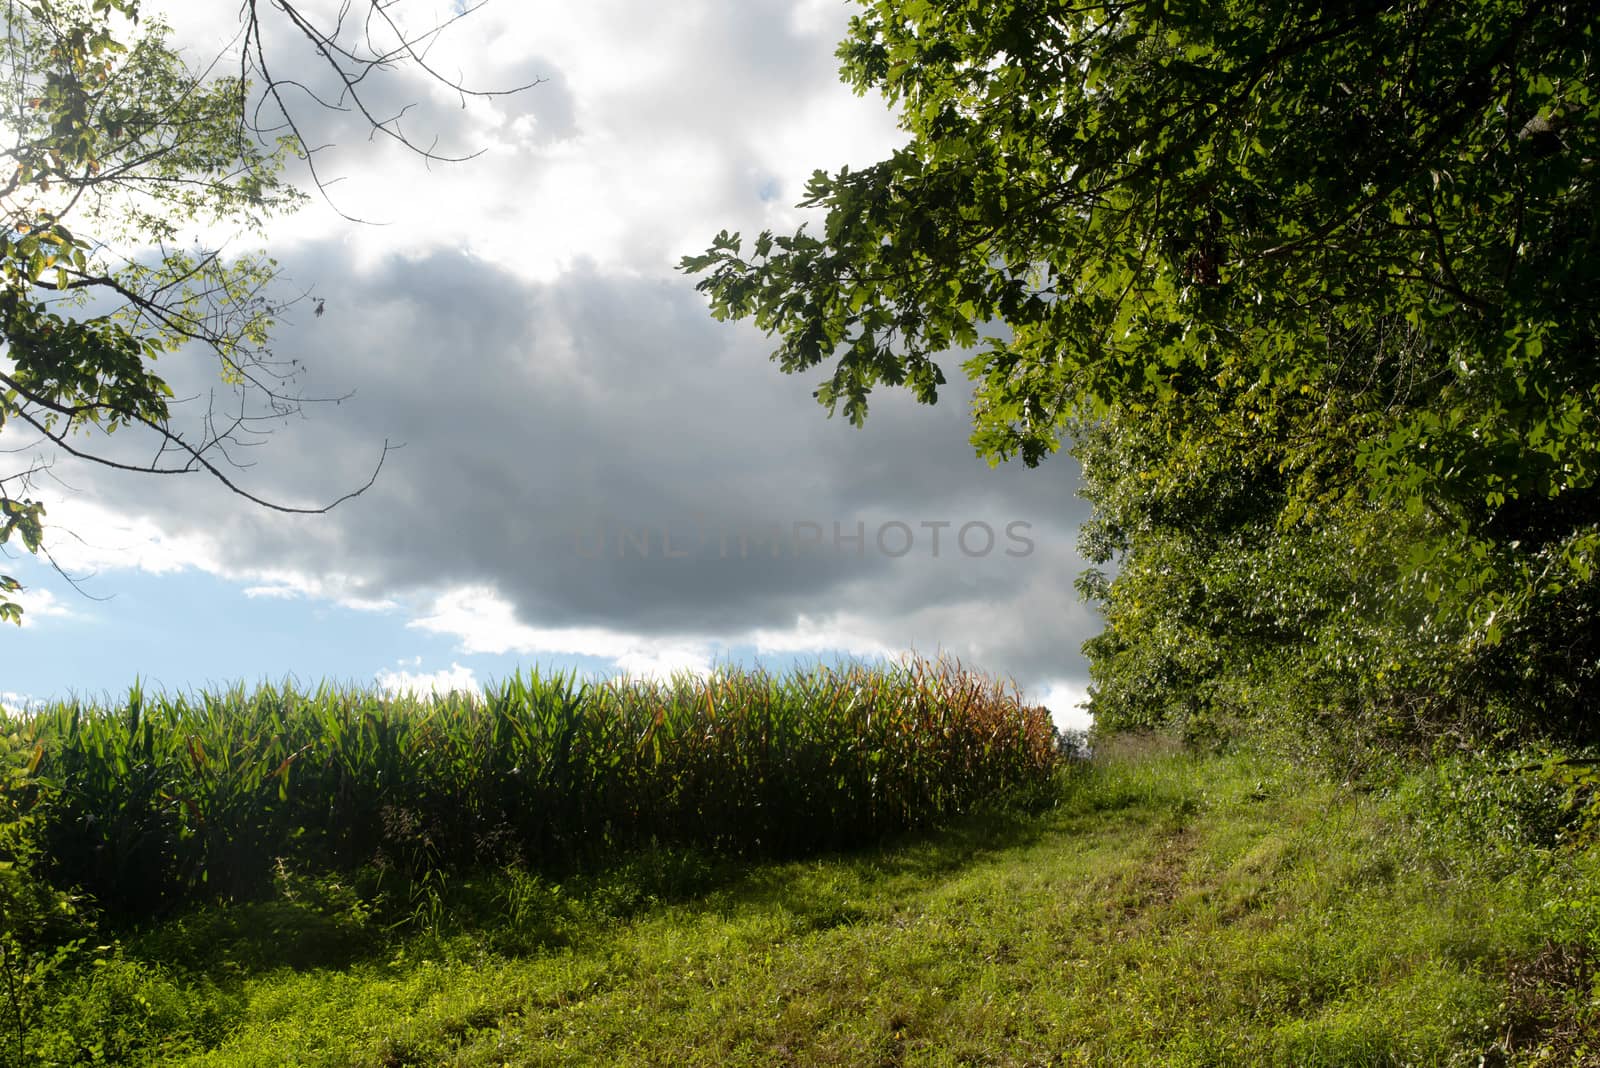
point(41, 928)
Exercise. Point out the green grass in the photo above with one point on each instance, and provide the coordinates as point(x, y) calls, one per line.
point(1169, 909)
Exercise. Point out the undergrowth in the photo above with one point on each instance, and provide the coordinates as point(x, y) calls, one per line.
point(1162, 908)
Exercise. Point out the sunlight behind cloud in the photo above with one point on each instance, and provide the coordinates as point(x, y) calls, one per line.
point(1067, 702)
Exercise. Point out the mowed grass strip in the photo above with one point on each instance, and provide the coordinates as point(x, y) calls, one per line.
point(1169, 909)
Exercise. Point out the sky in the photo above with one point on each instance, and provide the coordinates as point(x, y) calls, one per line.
point(593, 474)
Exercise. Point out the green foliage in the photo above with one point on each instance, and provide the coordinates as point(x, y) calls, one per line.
point(1168, 909)
point(171, 799)
point(113, 145)
point(1312, 289)
point(42, 929)
point(113, 1010)
point(1579, 782)
point(1501, 803)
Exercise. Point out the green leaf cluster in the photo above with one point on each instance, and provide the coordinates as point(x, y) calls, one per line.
point(1313, 291)
point(112, 143)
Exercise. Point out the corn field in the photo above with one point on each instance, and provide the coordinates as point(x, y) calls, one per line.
point(169, 799)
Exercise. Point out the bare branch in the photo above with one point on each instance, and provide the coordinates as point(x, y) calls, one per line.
point(353, 65)
point(152, 143)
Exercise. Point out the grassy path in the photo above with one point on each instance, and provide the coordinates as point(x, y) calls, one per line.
point(1170, 910)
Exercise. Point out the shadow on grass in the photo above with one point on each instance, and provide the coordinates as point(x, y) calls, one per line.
point(242, 940)
point(326, 924)
point(514, 912)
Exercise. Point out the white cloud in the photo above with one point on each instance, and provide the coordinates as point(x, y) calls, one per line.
point(660, 660)
point(485, 622)
point(657, 125)
point(86, 538)
point(1066, 698)
point(272, 593)
point(454, 679)
point(841, 632)
point(607, 392)
point(16, 704)
point(38, 604)
point(286, 585)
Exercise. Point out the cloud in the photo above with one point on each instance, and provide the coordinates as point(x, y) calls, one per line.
point(557, 385)
point(89, 536)
point(278, 584)
point(593, 466)
point(454, 679)
point(39, 605)
point(484, 622)
point(86, 537)
point(16, 704)
point(1067, 701)
point(273, 593)
point(650, 129)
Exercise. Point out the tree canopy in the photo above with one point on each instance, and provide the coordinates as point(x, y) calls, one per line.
point(111, 142)
point(1310, 288)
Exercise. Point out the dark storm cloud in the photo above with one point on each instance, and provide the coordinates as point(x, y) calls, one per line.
point(540, 419)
